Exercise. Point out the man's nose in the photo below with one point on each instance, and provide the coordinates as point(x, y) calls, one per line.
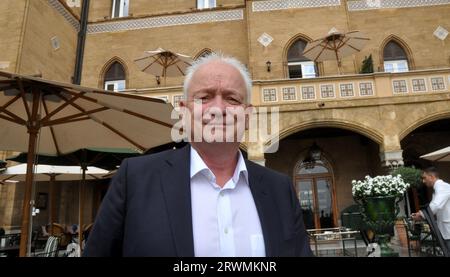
point(219, 103)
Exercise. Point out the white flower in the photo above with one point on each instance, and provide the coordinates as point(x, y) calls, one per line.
point(379, 186)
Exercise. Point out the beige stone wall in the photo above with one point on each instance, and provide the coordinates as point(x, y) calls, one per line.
point(75, 10)
point(37, 54)
point(283, 26)
point(12, 14)
point(102, 9)
point(229, 37)
point(11, 201)
point(7, 204)
point(414, 26)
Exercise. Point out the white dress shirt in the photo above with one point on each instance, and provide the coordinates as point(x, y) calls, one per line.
point(225, 221)
point(440, 206)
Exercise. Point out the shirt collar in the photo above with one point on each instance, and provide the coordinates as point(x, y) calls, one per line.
point(199, 166)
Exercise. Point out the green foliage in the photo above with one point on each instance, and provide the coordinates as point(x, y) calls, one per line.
point(411, 175)
point(367, 65)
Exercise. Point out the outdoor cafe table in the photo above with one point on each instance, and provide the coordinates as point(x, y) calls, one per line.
point(9, 245)
point(333, 235)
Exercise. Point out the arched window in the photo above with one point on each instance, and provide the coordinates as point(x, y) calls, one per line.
point(115, 78)
point(395, 58)
point(298, 65)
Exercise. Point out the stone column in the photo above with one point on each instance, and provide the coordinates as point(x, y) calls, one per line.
point(255, 152)
point(391, 153)
point(391, 157)
point(390, 160)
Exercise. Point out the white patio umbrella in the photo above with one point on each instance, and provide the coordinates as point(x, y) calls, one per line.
point(44, 172)
point(39, 116)
point(51, 174)
point(441, 155)
point(163, 63)
point(335, 45)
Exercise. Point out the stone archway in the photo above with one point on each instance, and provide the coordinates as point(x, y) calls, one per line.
point(428, 135)
point(348, 155)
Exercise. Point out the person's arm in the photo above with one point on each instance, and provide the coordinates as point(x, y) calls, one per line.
point(303, 249)
point(441, 196)
point(106, 237)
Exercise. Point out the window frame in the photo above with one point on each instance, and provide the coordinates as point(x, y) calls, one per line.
point(326, 85)
point(416, 83)
point(371, 88)
point(269, 90)
point(122, 12)
point(176, 99)
point(303, 66)
point(289, 93)
point(395, 67)
point(205, 4)
point(433, 85)
point(314, 92)
point(346, 85)
point(116, 84)
point(401, 92)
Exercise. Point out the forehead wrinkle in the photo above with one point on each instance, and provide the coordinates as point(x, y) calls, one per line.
point(211, 76)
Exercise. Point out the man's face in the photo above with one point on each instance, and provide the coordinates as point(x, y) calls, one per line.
point(428, 179)
point(216, 101)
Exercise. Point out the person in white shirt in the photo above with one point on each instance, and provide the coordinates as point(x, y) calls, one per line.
point(440, 203)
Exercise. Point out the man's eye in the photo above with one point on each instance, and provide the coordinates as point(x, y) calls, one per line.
point(203, 98)
point(233, 101)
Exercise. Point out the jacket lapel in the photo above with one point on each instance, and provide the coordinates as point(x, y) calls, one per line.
point(177, 193)
point(265, 206)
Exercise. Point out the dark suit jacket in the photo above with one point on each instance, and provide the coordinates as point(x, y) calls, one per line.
point(147, 210)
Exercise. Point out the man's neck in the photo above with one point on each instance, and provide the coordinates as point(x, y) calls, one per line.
point(220, 158)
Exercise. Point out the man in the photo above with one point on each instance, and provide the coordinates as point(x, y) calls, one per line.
point(203, 199)
point(440, 203)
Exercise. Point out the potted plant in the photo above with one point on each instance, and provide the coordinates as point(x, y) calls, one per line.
point(367, 65)
point(378, 198)
point(412, 176)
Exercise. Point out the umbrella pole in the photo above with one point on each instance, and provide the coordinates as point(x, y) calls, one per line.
point(33, 130)
point(52, 202)
point(337, 59)
point(81, 199)
point(80, 210)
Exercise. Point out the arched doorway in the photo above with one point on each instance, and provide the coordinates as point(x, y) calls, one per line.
point(314, 184)
point(345, 156)
point(426, 138)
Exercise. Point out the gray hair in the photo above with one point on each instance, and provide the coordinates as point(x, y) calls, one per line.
point(221, 58)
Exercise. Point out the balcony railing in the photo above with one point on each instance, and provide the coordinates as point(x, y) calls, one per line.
point(349, 87)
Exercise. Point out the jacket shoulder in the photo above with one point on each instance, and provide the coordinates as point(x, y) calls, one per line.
point(152, 160)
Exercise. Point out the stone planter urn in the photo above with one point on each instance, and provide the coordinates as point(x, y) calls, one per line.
point(380, 214)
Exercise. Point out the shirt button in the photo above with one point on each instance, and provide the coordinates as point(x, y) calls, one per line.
point(225, 231)
point(222, 194)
